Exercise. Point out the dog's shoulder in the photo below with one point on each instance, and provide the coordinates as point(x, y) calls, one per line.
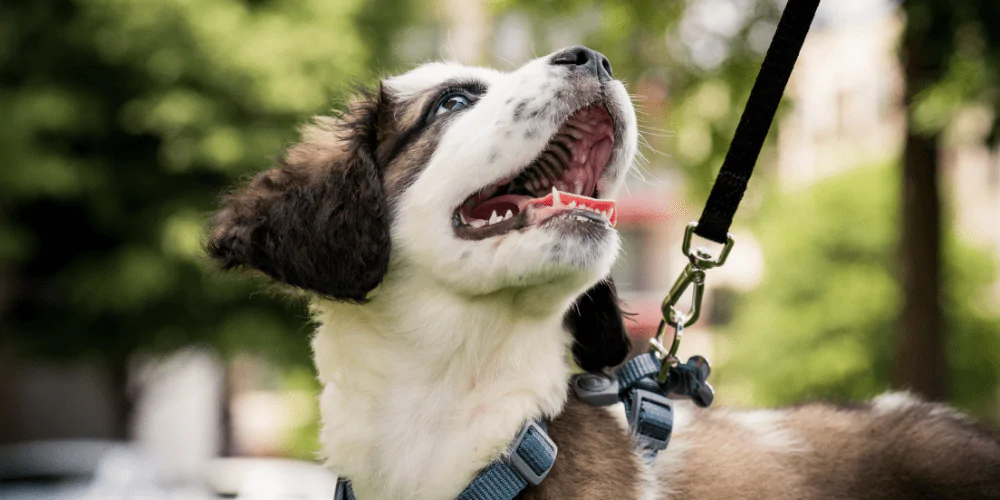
point(596, 457)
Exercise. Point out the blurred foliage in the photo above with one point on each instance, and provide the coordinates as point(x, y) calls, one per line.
point(820, 324)
point(123, 121)
point(302, 441)
point(954, 59)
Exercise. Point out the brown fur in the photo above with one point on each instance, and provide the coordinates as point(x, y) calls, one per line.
point(320, 221)
point(920, 451)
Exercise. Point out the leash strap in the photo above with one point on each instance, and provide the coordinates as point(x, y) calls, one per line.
point(756, 121)
point(532, 455)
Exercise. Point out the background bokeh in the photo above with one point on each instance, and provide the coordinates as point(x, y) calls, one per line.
point(867, 246)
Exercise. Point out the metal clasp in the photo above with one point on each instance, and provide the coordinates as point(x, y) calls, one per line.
point(691, 276)
point(701, 258)
point(699, 261)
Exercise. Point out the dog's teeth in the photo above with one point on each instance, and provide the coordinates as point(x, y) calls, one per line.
point(572, 204)
point(510, 214)
point(577, 187)
point(550, 166)
point(611, 211)
point(562, 152)
point(555, 197)
point(477, 223)
point(495, 218)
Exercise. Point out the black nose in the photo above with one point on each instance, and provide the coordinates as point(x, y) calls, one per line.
point(591, 60)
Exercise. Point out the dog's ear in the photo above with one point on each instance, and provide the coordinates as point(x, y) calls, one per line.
point(596, 322)
point(319, 221)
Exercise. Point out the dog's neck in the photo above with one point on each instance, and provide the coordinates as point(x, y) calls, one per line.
point(423, 387)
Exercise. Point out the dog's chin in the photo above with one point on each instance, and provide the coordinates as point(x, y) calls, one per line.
point(542, 266)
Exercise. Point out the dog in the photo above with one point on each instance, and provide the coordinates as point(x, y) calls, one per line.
point(453, 230)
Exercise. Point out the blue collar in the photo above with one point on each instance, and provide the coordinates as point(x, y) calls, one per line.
point(531, 457)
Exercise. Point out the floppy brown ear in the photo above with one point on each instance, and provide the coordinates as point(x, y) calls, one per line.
point(596, 321)
point(318, 222)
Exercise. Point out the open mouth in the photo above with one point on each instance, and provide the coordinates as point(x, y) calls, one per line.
point(560, 183)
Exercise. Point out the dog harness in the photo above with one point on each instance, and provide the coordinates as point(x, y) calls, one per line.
point(648, 407)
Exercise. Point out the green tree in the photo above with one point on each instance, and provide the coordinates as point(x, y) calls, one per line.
point(123, 121)
point(821, 324)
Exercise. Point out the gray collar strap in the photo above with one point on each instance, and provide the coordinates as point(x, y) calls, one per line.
point(531, 457)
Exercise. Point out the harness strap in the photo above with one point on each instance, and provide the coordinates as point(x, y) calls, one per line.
point(344, 490)
point(532, 455)
point(650, 414)
point(756, 121)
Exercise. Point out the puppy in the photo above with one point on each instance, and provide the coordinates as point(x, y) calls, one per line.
point(454, 230)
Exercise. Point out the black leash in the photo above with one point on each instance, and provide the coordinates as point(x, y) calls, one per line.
point(756, 121)
point(733, 177)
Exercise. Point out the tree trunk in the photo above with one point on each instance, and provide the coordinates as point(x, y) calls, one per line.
point(919, 362)
point(920, 343)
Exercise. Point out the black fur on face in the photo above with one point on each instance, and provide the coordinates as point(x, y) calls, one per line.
point(596, 321)
point(318, 222)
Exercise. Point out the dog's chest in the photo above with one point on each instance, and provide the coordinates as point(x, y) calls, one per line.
point(416, 431)
point(420, 437)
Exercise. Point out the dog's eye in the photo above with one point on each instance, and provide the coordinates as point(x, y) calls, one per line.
point(451, 103)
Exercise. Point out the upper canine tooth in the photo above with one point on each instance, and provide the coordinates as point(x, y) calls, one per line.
point(611, 211)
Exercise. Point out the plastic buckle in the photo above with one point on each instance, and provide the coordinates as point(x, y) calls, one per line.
point(518, 462)
point(639, 421)
point(596, 389)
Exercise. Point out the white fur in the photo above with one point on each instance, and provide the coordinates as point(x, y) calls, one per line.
point(769, 431)
point(463, 340)
point(892, 402)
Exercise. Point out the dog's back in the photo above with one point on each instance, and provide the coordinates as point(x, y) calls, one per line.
point(896, 447)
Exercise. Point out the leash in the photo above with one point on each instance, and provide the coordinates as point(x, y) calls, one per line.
point(646, 383)
point(731, 183)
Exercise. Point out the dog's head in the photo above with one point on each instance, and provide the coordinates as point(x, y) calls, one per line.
point(485, 182)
